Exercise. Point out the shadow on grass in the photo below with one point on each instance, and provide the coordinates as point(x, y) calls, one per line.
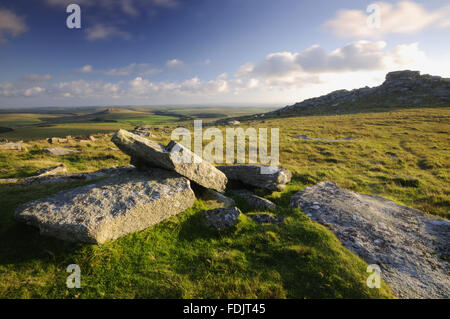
point(21, 243)
point(195, 227)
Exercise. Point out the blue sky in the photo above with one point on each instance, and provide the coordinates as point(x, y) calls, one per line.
point(153, 52)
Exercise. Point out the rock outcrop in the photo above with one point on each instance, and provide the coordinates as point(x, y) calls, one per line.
point(127, 202)
point(261, 176)
point(128, 199)
point(411, 248)
point(406, 88)
point(174, 157)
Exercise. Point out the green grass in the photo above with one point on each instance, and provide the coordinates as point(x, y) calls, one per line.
point(181, 258)
point(401, 155)
point(20, 119)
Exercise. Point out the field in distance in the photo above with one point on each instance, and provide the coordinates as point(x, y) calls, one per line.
point(40, 123)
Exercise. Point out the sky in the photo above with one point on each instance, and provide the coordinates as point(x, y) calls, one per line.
point(211, 52)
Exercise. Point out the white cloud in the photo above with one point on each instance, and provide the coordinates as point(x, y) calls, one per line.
point(276, 65)
point(10, 25)
point(85, 69)
point(193, 86)
point(139, 68)
point(33, 91)
point(404, 17)
point(300, 68)
point(8, 89)
point(175, 64)
point(101, 31)
point(83, 89)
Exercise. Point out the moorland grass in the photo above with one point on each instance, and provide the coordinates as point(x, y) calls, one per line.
point(401, 155)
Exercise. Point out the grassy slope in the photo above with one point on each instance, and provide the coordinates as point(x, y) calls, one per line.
point(181, 257)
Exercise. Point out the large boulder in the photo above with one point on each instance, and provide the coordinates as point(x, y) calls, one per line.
point(411, 248)
point(127, 202)
point(261, 176)
point(174, 156)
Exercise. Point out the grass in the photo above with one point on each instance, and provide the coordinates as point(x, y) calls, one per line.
point(401, 155)
point(182, 258)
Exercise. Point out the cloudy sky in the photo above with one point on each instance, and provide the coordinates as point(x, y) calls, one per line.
point(155, 52)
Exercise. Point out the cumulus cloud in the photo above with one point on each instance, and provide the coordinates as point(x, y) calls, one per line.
point(8, 89)
point(85, 69)
point(10, 25)
point(86, 89)
point(138, 87)
point(138, 68)
point(193, 86)
point(404, 17)
point(33, 91)
point(101, 32)
point(296, 68)
point(175, 64)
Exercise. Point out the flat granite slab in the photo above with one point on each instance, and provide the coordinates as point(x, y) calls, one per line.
point(124, 203)
point(411, 248)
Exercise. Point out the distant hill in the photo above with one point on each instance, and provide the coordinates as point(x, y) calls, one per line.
point(116, 110)
point(400, 89)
